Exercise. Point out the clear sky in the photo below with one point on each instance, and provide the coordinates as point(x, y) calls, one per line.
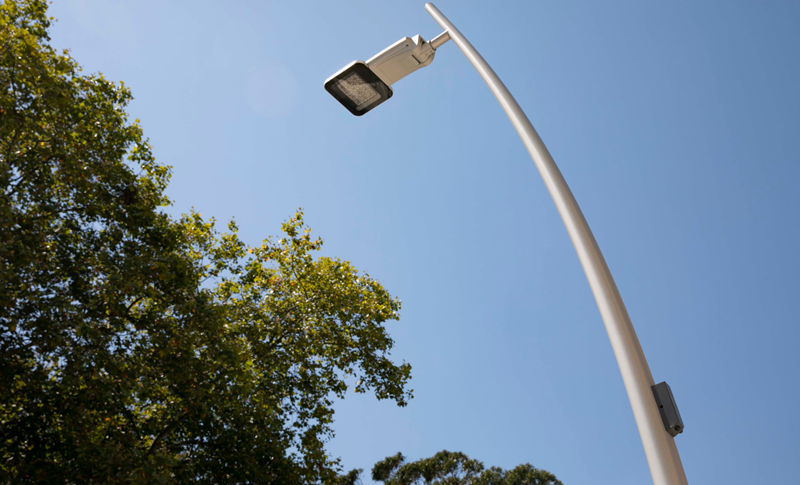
point(675, 124)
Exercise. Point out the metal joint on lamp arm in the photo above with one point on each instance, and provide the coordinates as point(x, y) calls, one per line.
point(439, 40)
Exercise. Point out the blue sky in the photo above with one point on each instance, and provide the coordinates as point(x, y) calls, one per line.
point(675, 124)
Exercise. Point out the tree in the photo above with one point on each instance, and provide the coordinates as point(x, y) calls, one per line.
point(136, 347)
point(449, 468)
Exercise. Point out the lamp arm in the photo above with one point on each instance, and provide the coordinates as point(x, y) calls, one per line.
point(659, 446)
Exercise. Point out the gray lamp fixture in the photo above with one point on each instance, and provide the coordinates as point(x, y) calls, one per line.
point(361, 86)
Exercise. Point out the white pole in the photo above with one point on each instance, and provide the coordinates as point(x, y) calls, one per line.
point(659, 447)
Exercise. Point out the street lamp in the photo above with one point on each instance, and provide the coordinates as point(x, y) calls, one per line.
point(361, 86)
point(653, 407)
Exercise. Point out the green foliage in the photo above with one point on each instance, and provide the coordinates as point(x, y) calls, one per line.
point(449, 468)
point(139, 348)
point(353, 477)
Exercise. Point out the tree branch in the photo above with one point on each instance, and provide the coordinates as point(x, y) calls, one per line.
point(171, 426)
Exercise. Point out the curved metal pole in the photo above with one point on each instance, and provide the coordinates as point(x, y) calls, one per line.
point(659, 446)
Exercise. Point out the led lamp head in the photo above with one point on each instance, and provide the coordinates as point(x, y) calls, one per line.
point(361, 86)
point(358, 88)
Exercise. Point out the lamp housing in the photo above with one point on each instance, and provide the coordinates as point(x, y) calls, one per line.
point(361, 86)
